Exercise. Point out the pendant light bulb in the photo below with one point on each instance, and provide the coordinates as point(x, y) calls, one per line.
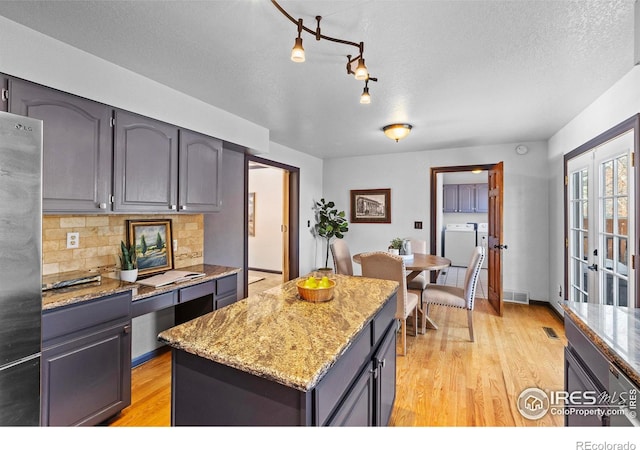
point(297, 52)
point(365, 98)
point(361, 72)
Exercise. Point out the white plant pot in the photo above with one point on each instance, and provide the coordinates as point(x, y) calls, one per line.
point(129, 275)
point(394, 251)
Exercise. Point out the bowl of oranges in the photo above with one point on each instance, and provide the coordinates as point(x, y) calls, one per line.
point(313, 290)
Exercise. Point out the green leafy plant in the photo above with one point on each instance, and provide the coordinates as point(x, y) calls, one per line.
point(127, 257)
point(330, 224)
point(396, 243)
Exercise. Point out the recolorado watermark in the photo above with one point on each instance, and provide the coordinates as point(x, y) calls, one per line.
point(590, 445)
point(534, 403)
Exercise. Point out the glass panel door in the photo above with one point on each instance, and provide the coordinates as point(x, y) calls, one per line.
point(615, 209)
point(601, 223)
point(581, 281)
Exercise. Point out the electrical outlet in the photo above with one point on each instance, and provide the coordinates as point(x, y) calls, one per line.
point(175, 245)
point(73, 240)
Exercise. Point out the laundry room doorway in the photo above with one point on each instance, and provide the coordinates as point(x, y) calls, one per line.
point(466, 211)
point(272, 224)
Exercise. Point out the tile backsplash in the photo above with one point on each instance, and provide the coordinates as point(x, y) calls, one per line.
point(100, 238)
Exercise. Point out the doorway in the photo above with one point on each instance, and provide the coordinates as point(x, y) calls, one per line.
point(272, 223)
point(492, 234)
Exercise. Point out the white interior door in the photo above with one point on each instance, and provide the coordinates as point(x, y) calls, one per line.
point(601, 223)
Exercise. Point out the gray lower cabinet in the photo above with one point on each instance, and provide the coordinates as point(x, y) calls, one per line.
point(586, 370)
point(358, 390)
point(200, 176)
point(145, 164)
point(77, 147)
point(86, 361)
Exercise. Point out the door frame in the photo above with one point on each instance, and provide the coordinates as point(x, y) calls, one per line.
point(434, 202)
point(292, 209)
point(632, 123)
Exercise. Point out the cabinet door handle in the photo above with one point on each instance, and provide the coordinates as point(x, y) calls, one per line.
point(172, 207)
point(127, 329)
point(102, 205)
point(183, 208)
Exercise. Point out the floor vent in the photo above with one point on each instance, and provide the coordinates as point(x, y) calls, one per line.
point(551, 334)
point(515, 297)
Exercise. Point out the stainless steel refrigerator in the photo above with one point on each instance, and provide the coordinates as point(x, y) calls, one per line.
point(20, 269)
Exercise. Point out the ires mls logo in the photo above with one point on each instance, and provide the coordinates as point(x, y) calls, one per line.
point(533, 403)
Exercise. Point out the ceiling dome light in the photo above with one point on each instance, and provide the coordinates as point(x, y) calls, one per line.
point(397, 131)
point(361, 72)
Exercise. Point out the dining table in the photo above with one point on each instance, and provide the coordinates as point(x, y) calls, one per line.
point(415, 264)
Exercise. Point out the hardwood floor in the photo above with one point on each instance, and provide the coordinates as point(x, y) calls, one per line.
point(444, 380)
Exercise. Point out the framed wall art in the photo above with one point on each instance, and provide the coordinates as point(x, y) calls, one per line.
point(252, 213)
point(152, 240)
point(371, 206)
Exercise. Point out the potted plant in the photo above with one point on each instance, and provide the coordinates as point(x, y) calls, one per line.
point(330, 224)
point(395, 246)
point(128, 266)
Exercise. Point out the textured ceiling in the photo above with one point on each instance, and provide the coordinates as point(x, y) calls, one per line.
point(463, 73)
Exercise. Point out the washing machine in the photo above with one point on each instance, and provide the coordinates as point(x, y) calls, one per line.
point(482, 240)
point(459, 241)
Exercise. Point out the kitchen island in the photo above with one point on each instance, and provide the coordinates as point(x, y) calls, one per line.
point(274, 359)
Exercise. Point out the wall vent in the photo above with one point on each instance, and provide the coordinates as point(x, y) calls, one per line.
point(515, 297)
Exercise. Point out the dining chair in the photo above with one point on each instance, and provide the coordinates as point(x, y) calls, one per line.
point(457, 297)
point(419, 283)
point(342, 263)
point(385, 266)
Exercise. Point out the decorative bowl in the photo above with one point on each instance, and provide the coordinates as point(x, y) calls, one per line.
point(320, 294)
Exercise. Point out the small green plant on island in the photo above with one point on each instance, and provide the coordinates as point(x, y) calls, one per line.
point(127, 257)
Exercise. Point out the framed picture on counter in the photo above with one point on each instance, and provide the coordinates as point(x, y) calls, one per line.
point(371, 206)
point(152, 240)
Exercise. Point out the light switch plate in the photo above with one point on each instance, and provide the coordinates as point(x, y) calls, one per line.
point(73, 240)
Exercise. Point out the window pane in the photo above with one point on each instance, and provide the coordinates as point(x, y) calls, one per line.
point(623, 216)
point(585, 215)
point(575, 184)
point(621, 167)
point(622, 292)
point(607, 215)
point(576, 210)
point(585, 246)
point(607, 178)
point(608, 255)
point(607, 289)
point(585, 185)
point(622, 266)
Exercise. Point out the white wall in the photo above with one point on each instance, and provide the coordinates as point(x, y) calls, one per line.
point(619, 103)
point(526, 225)
point(265, 248)
point(27, 54)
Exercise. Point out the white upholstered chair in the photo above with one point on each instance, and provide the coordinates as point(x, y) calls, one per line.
point(458, 297)
point(342, 263)
point(419, 283)
point(385, 266)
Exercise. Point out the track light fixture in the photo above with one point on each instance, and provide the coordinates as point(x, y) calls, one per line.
point(360, 72)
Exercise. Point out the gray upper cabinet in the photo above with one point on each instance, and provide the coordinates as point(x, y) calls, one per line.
point(145, 164)
point(465, 198)
point(4, 93)
point(200, 173)
point(77, 140)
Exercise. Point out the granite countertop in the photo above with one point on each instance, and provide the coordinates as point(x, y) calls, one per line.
point(56, 298)
point(277, 336)
point(615, 330)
